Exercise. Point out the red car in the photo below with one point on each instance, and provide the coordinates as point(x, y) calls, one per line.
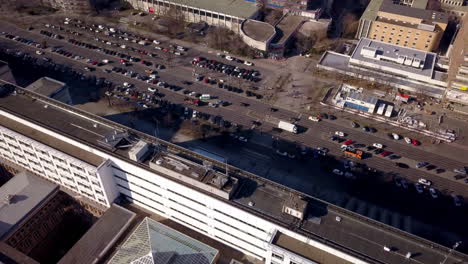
point(348, 142)
point(415, 142)
point(122, 61)
point(94, 62)
point(385, 153)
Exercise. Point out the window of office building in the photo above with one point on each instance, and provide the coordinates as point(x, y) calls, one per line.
point(277, 256)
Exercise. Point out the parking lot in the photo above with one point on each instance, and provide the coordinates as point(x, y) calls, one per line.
point(163, 81)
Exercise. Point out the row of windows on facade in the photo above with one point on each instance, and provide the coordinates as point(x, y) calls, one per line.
point(194, 11)
point(177, 193)
point(32, 159)
point(201, 213)
point(382, 38)
point(59, 177)
point(190, 208)
point(454, 3)
point(236, 245)
point(401, 30)
point(42, 152)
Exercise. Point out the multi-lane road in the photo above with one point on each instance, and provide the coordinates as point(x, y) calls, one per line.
point(180, 69)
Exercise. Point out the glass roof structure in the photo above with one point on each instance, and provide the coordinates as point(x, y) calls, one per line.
point(155, 243)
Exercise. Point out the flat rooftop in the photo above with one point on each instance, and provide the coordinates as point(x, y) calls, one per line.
point(394, 51)
point(424, 14)
point(261, 197)
point(46, 86)
point(101, 236)
point(340, 62)
point(235, 8)
point(305, 250)
point(403, 24)
point(10, 255)
point(258, 30)
point(25, 193)
point(286, 27)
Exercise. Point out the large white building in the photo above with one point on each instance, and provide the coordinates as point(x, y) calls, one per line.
point(401, 67)
point(101, 160)
point(224, 13)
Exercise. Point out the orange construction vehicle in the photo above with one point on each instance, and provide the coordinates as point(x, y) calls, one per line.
point(354, 153)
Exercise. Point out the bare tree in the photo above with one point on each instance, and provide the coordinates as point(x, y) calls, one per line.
point(350, 25)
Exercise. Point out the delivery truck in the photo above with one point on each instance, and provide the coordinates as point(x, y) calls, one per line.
point(287, 126)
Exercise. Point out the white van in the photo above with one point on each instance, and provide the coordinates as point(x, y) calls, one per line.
point(205, 97)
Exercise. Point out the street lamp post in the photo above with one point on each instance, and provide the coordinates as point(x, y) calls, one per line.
point(450, 251)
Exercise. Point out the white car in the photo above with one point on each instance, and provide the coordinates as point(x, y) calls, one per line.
point(339, 133)
point(337, 172)
point(377, 145)
point(38, 52)
point(407, 140)
point(419, 188)
point(152, 89)
point(242, 139)
point(433, 193)
point(425, 182)
point(281, 153)
point(194, 114)
point(158, 48)
point(157, 42)
point(248, 63)
point(229, 58)
point(127, 85)
point(162, 84)
point(396, 136)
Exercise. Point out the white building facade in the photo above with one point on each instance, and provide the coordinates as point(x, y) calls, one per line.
point(210, 216)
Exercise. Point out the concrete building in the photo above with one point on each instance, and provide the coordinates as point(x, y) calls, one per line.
point(234, 207)
point(361, 101)
point(272, 39)
point(405, 68)
point(458, 67)
point(402, 25)
point(21, 198)
point(455, 9)
point(223, 13)
point(51, 88)
point(306, 8)
point(96, 243)
point(356, 98)
point(153, 242)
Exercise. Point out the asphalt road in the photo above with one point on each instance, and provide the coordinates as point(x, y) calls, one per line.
point(317, 133)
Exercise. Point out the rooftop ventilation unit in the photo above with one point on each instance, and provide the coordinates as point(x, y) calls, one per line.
point(408, 61)
point(416, 63)
point(139, 151)
point(8, 199)
point(401, 59)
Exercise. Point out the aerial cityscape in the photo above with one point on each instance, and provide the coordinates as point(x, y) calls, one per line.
point(233, 131)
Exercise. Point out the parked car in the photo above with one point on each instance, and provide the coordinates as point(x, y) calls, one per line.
point(419, 188)
point(424, 182)
point(354, 124)
point(337, 172)
point(340, 133)
point(421, 164)
point(377, 145)
point(433, 193)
